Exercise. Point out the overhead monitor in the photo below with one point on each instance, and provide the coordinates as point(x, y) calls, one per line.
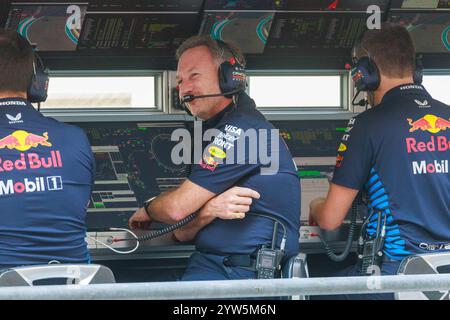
point(312, 138)
point(322, 5)
point(332, 34)
point(337, 5)
point(145, 5)
point(430, 31)
point(48, 27)
point(245, 5)
point(162, 32)
point(249, 30)
point(420, 4)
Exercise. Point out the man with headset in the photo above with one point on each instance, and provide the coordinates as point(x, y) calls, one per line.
point(239, 209)
point(398, 152)
point(46, 168)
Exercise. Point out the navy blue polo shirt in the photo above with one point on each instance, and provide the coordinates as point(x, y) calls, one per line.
point(46, 175)
point(236, 157)
point(399, 152)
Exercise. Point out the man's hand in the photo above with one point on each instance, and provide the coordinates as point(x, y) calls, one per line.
point(140, 220)
point(314, 208)
point(231, 204)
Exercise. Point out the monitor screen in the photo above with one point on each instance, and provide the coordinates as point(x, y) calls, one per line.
point(420, 4)
point(313, 138)
point(133, 163)
point(245, 4)
point(430, 31)
point(160, 32)
point(347, 5)
point(249, 30)
point(145, 5)
point(332, 34)
point(314, 145)
point(341, 5)
point(48, 27)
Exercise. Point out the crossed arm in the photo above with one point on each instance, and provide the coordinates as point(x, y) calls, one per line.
point(175, 205)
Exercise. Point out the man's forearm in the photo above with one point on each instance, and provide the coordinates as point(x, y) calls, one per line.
point(175, 205)
point(190, 230)
point(160, 208)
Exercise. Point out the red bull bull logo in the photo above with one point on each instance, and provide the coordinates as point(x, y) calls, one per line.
point(357, 75)
point(22, 141)
point(430, 123)
point(210, 161)
point(339, 160)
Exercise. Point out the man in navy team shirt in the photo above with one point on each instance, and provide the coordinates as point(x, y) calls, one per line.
point(399, 153)
point(46, 171)
point(223, 193)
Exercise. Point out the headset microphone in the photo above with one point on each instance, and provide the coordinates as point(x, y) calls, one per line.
point(190, 97)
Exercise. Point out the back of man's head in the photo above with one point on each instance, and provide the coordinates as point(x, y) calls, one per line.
point(391, 48)
point(16, 62)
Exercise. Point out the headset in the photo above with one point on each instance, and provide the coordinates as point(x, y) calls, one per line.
point(38, 89)
point(232, 76)
point(366, 74)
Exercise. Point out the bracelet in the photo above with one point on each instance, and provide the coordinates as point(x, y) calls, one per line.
point(147, 204)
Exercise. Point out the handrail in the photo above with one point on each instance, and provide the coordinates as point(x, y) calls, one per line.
point(232, 289)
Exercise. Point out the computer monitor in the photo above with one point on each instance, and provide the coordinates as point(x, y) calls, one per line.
point(133, 163)
point(313, 145)
point(249, 30)
point(430, 31)
point(48, 27)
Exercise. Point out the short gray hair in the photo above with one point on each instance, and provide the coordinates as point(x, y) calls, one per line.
point(219, 51)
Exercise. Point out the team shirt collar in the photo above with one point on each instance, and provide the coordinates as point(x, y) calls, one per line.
point(410, 89)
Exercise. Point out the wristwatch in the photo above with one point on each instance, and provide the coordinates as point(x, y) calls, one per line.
point(147, 204)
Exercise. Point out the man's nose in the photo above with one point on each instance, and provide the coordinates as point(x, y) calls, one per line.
point(185, 89)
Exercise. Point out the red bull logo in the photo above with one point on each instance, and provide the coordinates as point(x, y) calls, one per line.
point(22, 141)
point(208, 163)
point(430, 123)
point(239, 76)
point(357, 75)
point(439, 143)
point(339, 160)
point(32, 161)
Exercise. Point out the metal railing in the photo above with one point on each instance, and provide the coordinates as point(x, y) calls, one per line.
point(233, 289)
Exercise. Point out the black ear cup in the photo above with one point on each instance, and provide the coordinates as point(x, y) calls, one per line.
point(365, 74)
point(37, 92)
point(232, 75)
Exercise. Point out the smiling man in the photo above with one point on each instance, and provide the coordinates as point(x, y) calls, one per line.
point(237, 204)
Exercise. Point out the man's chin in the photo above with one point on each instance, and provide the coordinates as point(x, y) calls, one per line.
point(195, 112)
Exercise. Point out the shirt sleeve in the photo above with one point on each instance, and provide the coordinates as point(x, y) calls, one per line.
point(226, 160)
point(354, 158)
